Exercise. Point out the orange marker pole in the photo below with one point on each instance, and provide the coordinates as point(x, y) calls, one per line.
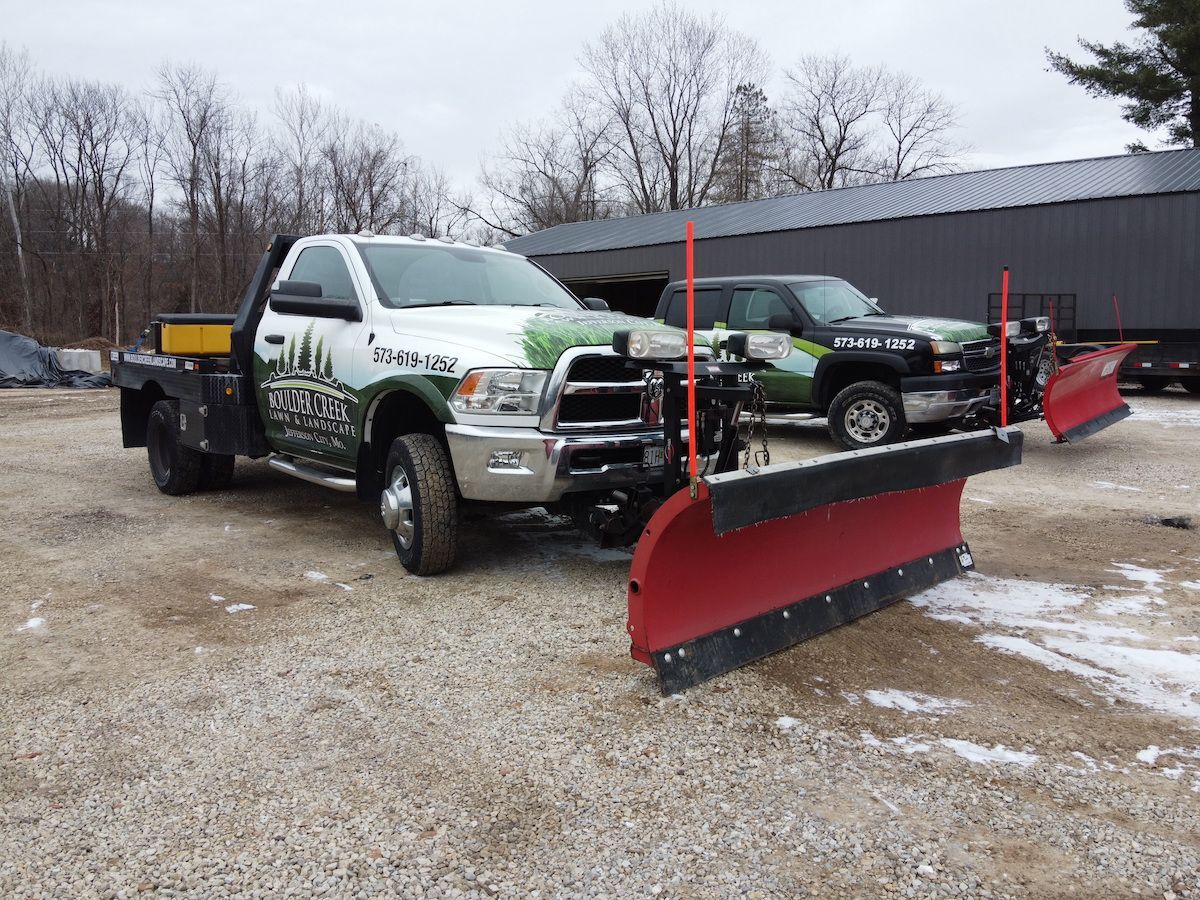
point(1004, 349)
point(693, 434)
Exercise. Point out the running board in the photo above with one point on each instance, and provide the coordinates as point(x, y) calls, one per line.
point(314, 476)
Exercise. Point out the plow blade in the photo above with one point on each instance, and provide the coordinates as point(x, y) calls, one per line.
point(761, 561)
point(1081, 398)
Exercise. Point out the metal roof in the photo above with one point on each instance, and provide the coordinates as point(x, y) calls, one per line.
point(1164, 172)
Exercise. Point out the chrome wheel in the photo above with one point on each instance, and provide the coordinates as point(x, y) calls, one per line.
point(867, 421)
point(1044, 370)
point(396, 507)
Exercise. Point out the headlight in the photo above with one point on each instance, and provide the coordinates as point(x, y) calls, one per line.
point(1035, 324)
point(945, 348)
point(1012, 330)
point(650, 344)
point(510, 391)
point(759, 346)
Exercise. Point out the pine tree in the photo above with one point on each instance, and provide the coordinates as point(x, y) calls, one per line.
point(1159, 77)
point(316, 367)
point(281, 363)
point(328, 365)
point(305, 363)
point(292, 356)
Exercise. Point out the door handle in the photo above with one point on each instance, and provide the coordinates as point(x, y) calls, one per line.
point(274, 338)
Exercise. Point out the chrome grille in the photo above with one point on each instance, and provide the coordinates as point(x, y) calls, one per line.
point(600, 390)
point(982, 356)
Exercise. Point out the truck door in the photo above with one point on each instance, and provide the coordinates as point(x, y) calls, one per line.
point(305, 365)
point(787, 381)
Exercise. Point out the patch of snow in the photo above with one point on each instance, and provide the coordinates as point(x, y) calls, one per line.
point(912, 701)
point(979, 754)
point(886, 802)
point(908, 745)
point(1190, 639)
point(870, 740)
point(819, 692)
point(1086, 760)
point(1150, 755)
point(1167, 418)
point(786, 723)
point(313, 575)
point(1111, 486)
point(344, 587)
point(239, 607)
point(1190, 585)
point(1148, 577)
point(35, 605)
point(32, 624)
point(852, 699)
point(216, 598)
point(982, 500)
point(1133, 606)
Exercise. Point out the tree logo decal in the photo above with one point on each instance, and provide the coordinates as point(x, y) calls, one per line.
point(305, 398)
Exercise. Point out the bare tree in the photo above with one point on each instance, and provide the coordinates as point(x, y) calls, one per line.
point(367, 171)
point(15, 69)
point(194, 100)
point(828, 117)
point(669, 80)
point(304, 130)
point(918, 123)
point(550, 173)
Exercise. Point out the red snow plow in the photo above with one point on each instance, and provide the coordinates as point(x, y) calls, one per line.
point(799, 548)
point(735, 560)
point(1081, 398)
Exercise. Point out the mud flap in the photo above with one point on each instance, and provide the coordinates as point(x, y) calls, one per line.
point(1081, 398)
point(761, 561)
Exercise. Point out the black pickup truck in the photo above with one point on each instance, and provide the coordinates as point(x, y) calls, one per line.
point(875, 376)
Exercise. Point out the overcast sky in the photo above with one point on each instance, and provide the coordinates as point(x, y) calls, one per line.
point(449, 77)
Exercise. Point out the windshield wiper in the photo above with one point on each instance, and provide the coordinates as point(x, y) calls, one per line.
point(441, 303)
point(842, 319)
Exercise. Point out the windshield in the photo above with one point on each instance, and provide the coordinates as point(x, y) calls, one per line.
point(442, 274)
point(833, 300)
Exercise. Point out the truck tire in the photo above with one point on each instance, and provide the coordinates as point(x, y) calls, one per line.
point(1191, 385)
point(1153, 384)
point(419, 505)
point(216, 471)
point(174, 467)
point(867, 414)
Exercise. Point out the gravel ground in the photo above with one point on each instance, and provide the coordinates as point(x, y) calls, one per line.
point(360, 732)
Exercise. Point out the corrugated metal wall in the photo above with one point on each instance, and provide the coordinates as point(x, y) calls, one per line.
point(1146, 250)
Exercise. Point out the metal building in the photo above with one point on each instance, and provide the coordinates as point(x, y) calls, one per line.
point(1127, 226)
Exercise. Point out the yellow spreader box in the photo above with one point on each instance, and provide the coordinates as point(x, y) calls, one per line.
point(193, 334)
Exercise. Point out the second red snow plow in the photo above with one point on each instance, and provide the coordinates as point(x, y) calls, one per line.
point(1081, 398)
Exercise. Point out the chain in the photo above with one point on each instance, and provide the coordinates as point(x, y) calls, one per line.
point(758, 417)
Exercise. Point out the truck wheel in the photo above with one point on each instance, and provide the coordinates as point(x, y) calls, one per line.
point(1191, 385)
point(175, 468)
point(216, 471)
point(1153, 384)
point(418, 504)
point(867, 414)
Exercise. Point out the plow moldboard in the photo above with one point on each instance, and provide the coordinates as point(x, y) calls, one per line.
point(1081, 398)
point(703, 603)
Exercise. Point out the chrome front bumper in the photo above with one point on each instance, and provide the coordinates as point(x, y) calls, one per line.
point(940, 406)
point(549, 465)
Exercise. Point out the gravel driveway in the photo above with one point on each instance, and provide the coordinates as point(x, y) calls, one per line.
point(242, 694)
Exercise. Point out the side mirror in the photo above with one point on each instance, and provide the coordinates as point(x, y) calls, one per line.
point(303, 298)
point(596, 304)
point(786, 323)
point(299, 289)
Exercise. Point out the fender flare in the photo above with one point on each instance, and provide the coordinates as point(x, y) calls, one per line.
point(838, 359)
point(415, 386)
